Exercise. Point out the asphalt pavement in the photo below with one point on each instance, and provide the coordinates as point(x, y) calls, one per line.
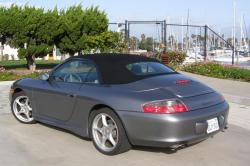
point(43, 145)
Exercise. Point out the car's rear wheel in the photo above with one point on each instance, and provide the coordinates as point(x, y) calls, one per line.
point(107, 132)
point(21, 108)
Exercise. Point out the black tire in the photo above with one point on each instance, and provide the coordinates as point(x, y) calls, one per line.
point(123, 143)
point(16, 95)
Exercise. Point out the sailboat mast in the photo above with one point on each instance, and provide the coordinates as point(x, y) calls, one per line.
point(241, 33)
point(249, 42)
point(182, 35)
point(234, 31)
point(246, 37)
point(187, 34)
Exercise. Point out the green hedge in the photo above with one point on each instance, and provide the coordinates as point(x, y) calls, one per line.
point(21, 64)
point(10, 76)
point(218, 71)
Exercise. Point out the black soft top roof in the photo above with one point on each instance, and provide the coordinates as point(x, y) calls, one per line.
point(112, 67)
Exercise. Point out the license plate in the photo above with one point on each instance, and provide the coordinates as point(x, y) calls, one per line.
point(213, 125)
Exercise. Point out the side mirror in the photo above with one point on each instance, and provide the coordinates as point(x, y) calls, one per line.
point(44, 77)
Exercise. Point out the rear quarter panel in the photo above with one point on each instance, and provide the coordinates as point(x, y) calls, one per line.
point(117, 97)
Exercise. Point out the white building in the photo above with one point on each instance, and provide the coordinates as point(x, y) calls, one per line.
point(9, 53)
point(12, 54)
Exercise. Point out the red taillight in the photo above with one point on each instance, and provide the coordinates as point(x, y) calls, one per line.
point(164, 107)
point(181, 82)
point(154, 109)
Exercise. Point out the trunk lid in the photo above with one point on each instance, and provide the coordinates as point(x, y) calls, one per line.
point(193, 93)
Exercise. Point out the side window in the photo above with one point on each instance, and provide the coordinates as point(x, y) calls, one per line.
point(92, 76)
point(76, 71)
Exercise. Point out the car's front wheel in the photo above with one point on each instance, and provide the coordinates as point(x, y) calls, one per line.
point(21, 108)
point(107, 132)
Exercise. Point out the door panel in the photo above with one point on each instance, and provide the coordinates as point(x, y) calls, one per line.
point(56, 99)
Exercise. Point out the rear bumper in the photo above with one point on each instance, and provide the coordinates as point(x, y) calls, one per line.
point(164, 130)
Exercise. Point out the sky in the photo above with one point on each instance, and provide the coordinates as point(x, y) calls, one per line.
point(216, 13)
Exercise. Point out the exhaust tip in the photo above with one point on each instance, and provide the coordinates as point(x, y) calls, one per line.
point(178, 146)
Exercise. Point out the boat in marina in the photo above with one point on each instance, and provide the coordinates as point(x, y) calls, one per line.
point(194, 55)
point(225, 55)
point(218, 55)
point(228, 59)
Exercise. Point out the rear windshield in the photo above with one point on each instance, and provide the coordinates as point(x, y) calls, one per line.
point(148, 68)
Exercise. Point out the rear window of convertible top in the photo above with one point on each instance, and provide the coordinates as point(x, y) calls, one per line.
point(148, 68)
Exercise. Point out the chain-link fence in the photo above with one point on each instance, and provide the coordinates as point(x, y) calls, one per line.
point(200, 43)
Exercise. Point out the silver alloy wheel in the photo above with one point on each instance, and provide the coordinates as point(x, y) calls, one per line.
point(105, 132)
point(22, 109)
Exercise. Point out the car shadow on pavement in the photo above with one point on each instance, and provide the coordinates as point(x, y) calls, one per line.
point(64, 130)
point(155, 150)
point(166, 150)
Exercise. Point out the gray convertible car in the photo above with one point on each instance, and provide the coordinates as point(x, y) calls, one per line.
point(121, 100)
